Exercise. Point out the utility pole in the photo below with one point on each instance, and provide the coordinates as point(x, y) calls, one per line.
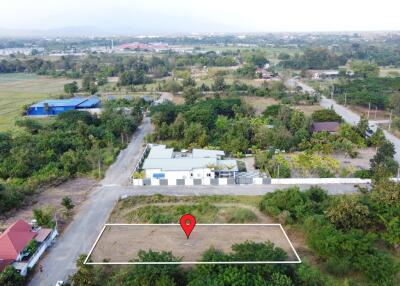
point(390, 119)
point(278, 170)
point(345, 99)
point(369, 109)
point(376, 111)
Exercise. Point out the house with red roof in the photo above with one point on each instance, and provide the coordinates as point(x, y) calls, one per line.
point(14, 241)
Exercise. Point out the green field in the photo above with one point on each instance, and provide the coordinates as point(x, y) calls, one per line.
point(17, 90)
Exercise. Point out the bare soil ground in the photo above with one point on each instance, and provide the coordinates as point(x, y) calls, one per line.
point(308, 109)
point(259, 103)
point(76, 189)
point(362, 161)
point(122, 243)
point(373, 114)
point(178, 99)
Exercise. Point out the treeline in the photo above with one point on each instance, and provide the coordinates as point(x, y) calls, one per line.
point(387, 54)
point(351, 236)
point(313, 58)
point(232, 126)
point(375, 90)
point(221, 275)
point(75, 143)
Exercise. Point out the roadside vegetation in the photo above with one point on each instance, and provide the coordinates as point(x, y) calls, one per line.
point(74, 143)
point(349, 240)
point(280, 138)
point(354, 237)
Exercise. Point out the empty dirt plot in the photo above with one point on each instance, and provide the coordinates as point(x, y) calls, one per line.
point(119, 244)
point(259, 103)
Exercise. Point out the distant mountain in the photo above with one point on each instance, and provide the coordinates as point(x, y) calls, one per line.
point(78, 31)
point(137, 27)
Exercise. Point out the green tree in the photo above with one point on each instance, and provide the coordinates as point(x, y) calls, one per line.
point(44, 216)
point(32, 246)
point(219, 84)
point(348, 212)
point(10, 277)
point(325, 115)
point(71, 88)
point(364, 69)
point(85, 274)
point(384, 160)
point(378, 138)
point(362, 126)
point(89, 84)
point(67, 203)
point(191, 95)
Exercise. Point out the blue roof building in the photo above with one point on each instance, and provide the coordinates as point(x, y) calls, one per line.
point(55, 107)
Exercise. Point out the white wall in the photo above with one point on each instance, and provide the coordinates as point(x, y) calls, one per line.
point(195, 174)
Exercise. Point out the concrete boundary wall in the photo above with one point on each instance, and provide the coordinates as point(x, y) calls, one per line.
point(249, 181)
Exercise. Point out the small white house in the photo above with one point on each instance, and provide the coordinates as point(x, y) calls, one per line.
point(164, 163)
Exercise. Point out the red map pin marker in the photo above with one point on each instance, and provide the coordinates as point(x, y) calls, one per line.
point(188, 223)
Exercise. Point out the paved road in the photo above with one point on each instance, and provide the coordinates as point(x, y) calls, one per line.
point(238, 190)
point(348, 115)
point(83, 230)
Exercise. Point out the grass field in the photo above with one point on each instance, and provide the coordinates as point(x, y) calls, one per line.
point(17, 90)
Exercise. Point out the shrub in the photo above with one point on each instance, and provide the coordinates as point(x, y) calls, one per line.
point(44, 216)
point(298, 205)
point(338, 266)
point(239, 215)
point(326, 115)
point(362, 174)
point(347, 213)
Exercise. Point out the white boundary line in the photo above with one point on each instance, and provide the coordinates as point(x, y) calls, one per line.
point(192, 262)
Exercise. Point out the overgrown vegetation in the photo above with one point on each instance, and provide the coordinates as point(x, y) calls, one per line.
point(251, 275)
point(349, 234)
point(75, 143)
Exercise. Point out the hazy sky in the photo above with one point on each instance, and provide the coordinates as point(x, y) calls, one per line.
point(174, 16)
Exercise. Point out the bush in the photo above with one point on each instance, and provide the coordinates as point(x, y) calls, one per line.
point(10, 277)
point(44, 216)
point(326, 115)
point(239, 215)
point(348, 212)
point(298, 205)
point(362, 174)
point(338, 266)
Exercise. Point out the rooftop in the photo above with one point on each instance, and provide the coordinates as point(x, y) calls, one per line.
point(14, 239)
point(325, 126)
point(160, 152)
point(179, 164)
point(166, 159)
point(201, 153)
point(76, 101)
